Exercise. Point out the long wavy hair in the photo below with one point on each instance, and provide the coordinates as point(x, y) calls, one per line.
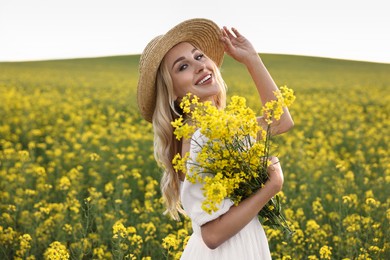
point(166, 146)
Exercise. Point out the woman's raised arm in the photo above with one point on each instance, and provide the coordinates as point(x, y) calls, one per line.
point(239, 48)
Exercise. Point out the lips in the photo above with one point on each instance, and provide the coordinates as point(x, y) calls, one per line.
point(203, 79)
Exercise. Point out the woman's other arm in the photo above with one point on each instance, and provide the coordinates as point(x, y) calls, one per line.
point(217, 231)
point(239, 48)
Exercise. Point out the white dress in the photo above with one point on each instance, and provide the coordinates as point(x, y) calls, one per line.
point(250, 243)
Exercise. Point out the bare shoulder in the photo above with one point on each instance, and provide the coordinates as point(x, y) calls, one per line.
point(185, 146)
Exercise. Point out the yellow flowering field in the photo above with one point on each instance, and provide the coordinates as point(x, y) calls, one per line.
point(78, 179)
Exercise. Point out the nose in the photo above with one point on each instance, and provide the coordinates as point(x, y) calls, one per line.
point(200, 67)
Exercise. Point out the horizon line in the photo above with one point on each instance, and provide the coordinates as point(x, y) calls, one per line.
point(138, 54)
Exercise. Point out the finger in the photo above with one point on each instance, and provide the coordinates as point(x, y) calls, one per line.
point(224, 37)
point(228, 33)
point(227, 44)
point(274, 160)
point(236, 32)
point(223, 32)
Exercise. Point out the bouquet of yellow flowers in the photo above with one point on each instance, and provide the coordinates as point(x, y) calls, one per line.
point(232, 162)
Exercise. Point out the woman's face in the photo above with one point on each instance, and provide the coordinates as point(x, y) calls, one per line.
point(191, 72)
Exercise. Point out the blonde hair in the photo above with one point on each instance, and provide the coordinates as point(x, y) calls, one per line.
point(166, 146)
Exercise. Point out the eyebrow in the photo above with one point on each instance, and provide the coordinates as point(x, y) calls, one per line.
point(182, 58)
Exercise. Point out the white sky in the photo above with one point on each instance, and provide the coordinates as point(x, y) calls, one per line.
point(53, 29)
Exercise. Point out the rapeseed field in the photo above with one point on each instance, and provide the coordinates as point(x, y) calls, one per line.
point(78, 179)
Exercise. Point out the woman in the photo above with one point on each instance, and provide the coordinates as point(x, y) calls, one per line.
point(186, 59)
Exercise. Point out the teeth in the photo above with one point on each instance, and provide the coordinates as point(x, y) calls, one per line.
point(204, 79)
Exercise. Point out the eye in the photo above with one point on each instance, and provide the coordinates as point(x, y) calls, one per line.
point(199, 57)
point(183, 67)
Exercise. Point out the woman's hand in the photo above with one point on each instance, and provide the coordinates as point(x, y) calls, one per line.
point(275, 174)
point(237, 46)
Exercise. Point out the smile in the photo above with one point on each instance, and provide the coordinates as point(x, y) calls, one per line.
point(206, 78)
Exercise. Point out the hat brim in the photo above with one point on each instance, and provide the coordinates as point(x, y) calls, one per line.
point(202, 33)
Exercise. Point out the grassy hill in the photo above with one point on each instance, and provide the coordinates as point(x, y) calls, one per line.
point(299, 72)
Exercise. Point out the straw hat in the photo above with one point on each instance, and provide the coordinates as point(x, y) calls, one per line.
point(202, 33)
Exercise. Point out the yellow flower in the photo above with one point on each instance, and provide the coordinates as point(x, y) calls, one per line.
point(178, 255)
point(170, 241)
point(99, 252)
point(215, 192)
point(24, 245)
point(56, 251)
point(109, 188)
point(68, 229)
point(326, 252)
point(288, 95)
point(64, 183)
point(183, 131)
point(131, 257)
point(24, 156)
point(119, 230)
point(131, 230)
point(177, 123)
point(94, 157)
point(372, 202)
point(179, 163)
